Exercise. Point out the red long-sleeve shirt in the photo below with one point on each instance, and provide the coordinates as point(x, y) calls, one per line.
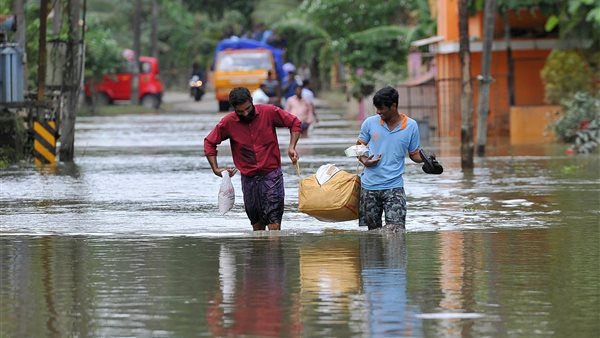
point(254, 145)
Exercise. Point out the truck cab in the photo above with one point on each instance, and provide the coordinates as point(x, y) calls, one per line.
point(243, 63)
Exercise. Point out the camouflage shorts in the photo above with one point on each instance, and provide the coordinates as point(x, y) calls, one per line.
point(374, 202)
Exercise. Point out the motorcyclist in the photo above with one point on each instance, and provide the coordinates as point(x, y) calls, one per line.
point(197, 74)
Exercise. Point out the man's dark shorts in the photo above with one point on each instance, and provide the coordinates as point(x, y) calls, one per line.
point(374, 202)
point(264, 197)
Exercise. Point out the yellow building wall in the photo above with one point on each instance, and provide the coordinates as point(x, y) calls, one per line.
point(532, 124)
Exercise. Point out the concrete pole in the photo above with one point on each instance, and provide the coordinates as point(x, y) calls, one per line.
point(72, 82)
point(19, 10)
point(135, 72)
point(483, 104)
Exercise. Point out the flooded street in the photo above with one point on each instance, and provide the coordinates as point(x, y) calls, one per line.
point(128, 241)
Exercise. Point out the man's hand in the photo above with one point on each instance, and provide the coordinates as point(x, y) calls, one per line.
point(431, 164)
point(369, 161)
point(230, 170)
point(293, 155)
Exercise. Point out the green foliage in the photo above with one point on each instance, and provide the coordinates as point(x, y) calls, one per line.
point(13, 138)
point(565, 73)
point(361, 85)
point(363, 34)
point(216, 9)
point(580, 124)
point(268, 11)
point(575, 19)
point(372, 48)
point(343, 17)
point(102, 52)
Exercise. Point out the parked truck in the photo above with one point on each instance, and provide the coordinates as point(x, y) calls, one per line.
point(242, 62)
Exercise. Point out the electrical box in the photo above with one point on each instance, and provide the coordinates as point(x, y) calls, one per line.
point(11, 73)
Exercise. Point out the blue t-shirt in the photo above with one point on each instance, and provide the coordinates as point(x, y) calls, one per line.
point(393, 146)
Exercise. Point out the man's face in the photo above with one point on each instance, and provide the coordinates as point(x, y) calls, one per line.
point(245, 111)
point(387, 113)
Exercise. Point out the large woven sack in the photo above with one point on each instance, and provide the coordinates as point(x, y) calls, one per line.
point(334, 201)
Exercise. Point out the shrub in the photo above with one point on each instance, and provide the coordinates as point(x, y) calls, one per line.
point(564, 74)
point(581, 122)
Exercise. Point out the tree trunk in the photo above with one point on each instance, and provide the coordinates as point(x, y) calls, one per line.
point(135, 72)
point(154, 29)
point(466, 97)
point(41, 76)
point(72, 82)
point(19, 9)
point(483, 104)
point(509, 60)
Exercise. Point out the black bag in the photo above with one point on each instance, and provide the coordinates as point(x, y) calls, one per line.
point(430, 164)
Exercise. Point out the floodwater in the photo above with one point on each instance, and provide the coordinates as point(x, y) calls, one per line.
point(128, 242)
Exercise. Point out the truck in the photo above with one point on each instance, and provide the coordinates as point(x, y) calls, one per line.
point(241, 62)
point(117, 87)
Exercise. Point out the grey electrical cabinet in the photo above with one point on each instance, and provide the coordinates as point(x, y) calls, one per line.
point(11, 73)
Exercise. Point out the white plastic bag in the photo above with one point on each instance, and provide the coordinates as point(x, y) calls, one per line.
point(226, 193)
point(357, 150)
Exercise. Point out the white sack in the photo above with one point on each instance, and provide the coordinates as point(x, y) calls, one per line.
point(325, 173)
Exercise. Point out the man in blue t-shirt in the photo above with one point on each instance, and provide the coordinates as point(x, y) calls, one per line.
point(389, 135)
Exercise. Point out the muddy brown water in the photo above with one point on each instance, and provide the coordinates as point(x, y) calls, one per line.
point(128, 241)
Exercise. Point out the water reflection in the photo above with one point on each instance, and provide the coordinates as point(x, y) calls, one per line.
point(383, 270)
point(330, 282)
point(255, 305)
point(536, 282)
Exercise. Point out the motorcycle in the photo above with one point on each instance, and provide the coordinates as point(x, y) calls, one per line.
point(196, 88)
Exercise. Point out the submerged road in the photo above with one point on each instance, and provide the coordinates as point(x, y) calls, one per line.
point(147, 175)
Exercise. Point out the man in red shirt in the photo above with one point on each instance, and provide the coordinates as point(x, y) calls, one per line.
point(255, 150)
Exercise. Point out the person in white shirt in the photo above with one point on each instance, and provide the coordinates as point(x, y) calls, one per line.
point(309, 96)
point(259, 96)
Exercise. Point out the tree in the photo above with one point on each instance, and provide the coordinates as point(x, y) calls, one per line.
point(72, 81)
point(364, 35)
point(466, 97)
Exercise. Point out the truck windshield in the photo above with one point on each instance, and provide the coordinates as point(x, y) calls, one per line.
point(244, 61)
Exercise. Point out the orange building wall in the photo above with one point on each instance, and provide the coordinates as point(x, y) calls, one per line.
point(528, 86)
point(447, 15)
point(529, 89)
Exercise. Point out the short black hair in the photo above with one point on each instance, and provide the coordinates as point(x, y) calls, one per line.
point(239, 95)
point(385, 96)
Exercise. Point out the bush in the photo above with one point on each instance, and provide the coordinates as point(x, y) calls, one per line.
point(581, 122)
point(564, 74)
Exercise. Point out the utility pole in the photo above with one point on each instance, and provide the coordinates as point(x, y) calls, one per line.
point(56, 18)
point(135, 72)
point(483, 104)
point(19, 9)
point(72, 79)
point(466, 96)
